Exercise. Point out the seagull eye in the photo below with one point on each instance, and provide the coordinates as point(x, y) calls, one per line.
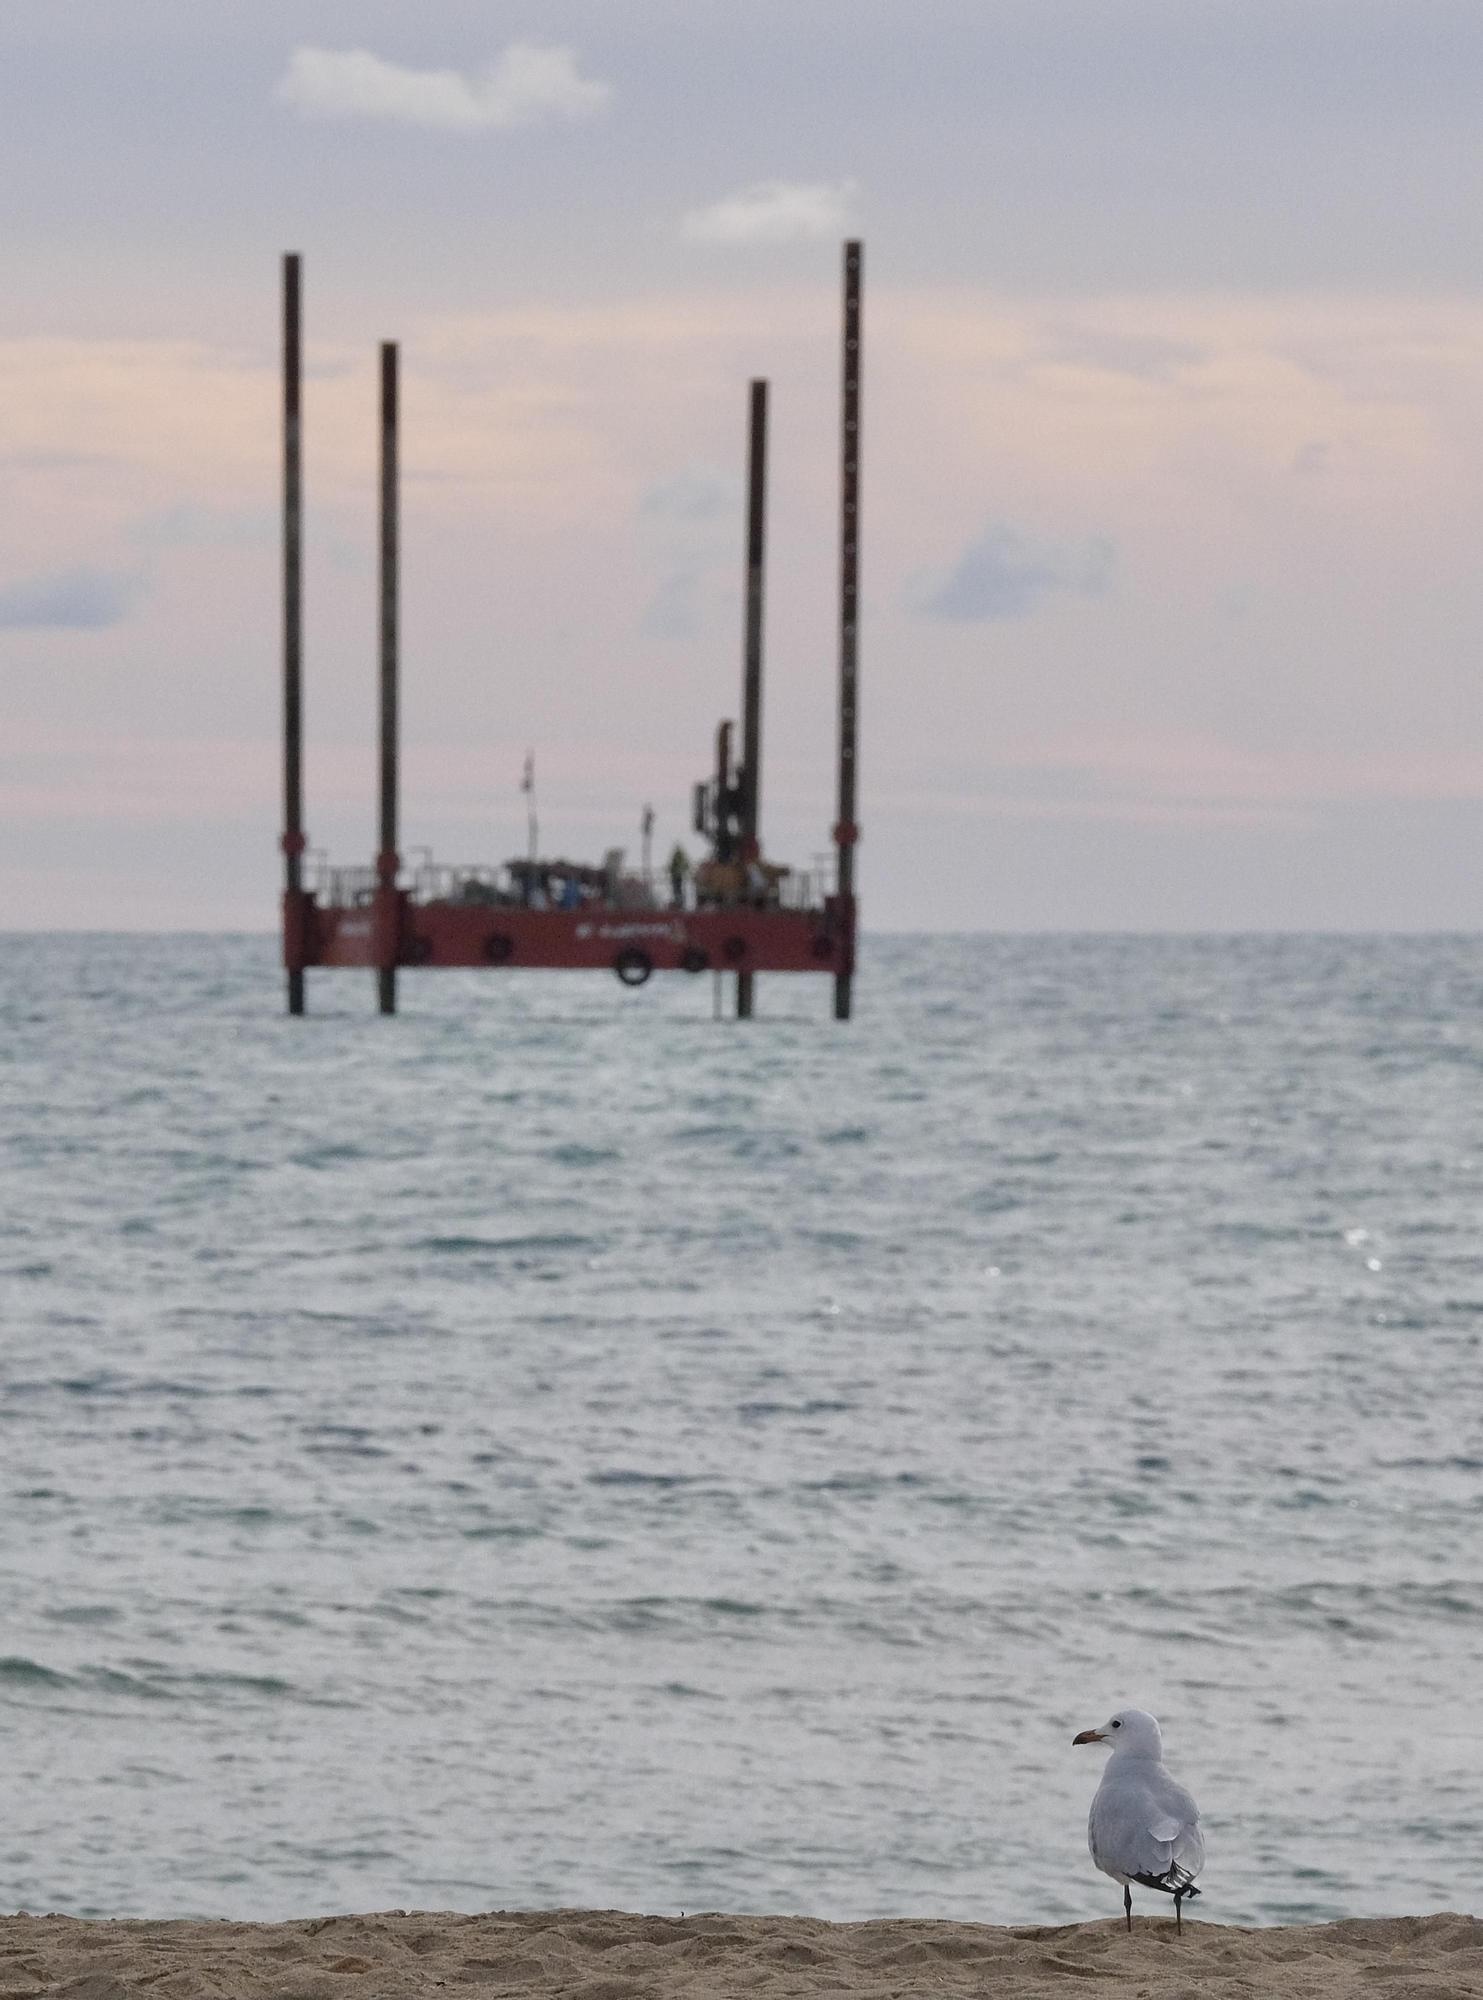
point(1117, 1725)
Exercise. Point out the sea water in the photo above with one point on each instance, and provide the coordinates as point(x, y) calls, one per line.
point(557, 1448)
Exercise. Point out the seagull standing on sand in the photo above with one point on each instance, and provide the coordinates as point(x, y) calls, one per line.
point(1142, 1826)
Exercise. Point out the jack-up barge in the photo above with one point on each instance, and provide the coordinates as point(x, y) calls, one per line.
point(735, 913)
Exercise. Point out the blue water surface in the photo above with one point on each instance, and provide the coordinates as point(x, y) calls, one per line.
point(555, 1448)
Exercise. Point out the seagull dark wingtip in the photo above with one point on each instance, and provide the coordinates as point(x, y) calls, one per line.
point(1174, 1881)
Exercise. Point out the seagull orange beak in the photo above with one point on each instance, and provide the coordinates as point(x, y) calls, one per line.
point(1088, 1736)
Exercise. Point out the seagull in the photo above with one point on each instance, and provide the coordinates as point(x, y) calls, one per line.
point(1142, 1826)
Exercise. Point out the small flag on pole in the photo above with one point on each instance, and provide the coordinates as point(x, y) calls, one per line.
point(528, 786)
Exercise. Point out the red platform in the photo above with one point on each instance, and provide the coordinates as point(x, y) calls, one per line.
point(392, 929)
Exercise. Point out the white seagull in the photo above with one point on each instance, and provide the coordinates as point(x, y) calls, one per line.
point(1142, 1826)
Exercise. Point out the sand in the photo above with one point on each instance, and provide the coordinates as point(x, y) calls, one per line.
point(604, 1955)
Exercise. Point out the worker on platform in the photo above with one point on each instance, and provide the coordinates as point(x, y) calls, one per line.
point(679, 874)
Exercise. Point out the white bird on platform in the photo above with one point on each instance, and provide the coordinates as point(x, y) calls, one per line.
point(1142, 1826)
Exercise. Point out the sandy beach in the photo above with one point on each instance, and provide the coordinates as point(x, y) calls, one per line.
point(607, 1955)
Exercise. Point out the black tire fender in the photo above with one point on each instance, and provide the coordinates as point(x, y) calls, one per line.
point(633, 966)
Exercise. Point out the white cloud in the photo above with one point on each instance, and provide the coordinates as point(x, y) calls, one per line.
point(527, 86)
point(77, 600)
point(694, 496)
point(688, 514)
point(774, 212)
point(1005, 574)
point(194, 524)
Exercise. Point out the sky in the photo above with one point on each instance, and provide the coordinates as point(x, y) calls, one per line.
point(1172, 606)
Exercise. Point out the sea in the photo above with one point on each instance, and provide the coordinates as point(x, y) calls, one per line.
point(557, 1447)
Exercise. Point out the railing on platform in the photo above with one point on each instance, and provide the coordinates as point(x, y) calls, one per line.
point(579, 887)
point(340, 888)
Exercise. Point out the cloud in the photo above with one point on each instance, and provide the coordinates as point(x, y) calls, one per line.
point(79, 600)
point(698, 494)
point(1147, 357)
point(673, 612)
point(1181, 767)
point(689, 518)
point(774, 212)
point(1004, 574)
point(53, 461)
point(194, 524)
point(527, 86)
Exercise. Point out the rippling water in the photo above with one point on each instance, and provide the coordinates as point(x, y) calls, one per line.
point(553, 1448)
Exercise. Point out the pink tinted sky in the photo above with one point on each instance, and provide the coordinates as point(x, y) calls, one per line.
point(1172, 605)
